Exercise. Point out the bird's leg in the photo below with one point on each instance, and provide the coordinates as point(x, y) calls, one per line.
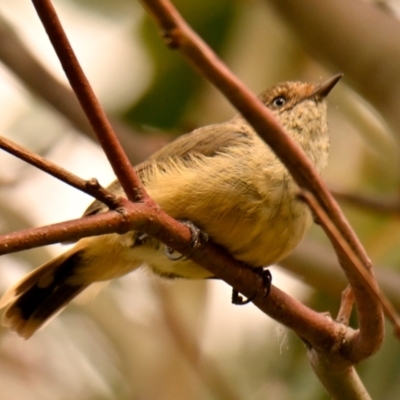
point(266, 279)
point(141, 238)
point(198, 238)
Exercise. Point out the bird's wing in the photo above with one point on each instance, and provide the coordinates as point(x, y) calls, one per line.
point(207, 141)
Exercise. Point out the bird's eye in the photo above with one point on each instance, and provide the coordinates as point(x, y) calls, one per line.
point(279, 101)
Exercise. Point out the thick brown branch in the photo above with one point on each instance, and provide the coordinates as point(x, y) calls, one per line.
point(130, 216)
point(88, 100)
point(142, 217)
point(341, 383)
point(68, 231)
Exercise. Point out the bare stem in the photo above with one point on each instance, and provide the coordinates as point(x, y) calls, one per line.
point(346, 306)
point(369, 329)
point(91, 187)
point(386, 206)
point(89, 102)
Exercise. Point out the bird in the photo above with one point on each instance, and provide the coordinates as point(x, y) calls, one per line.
point(223, 178)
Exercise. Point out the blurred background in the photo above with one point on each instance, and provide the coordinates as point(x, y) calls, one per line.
point(144, 338)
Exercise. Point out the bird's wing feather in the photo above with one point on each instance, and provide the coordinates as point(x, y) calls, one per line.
point(198, 142)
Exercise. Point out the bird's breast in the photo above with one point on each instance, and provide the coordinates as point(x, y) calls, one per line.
point(249, 207)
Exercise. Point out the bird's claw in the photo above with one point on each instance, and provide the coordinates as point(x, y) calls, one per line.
point(266, 278)
point(198, 238)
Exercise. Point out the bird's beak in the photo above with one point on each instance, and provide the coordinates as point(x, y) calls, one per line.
point(323, 90)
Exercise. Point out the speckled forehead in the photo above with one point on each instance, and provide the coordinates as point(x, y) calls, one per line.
point(291, 90)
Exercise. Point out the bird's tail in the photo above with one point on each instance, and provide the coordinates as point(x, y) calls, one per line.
point(42, 294)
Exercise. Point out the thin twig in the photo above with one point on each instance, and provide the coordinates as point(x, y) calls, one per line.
point(387, 206)
point(346, 306)
point(90, 187)
point(347, 257)
point(89, 102)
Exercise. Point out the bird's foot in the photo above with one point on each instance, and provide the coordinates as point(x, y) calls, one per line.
point(198, 239)
point(140, 239)
point(266, 279)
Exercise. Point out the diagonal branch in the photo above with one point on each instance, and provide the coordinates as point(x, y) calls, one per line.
point(378, 205)
point(179, 35)
point(90, 187)
point(89, 102)
point(347, 257)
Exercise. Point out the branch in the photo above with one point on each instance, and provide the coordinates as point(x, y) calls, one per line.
point(386, 206)
point(315, 264)
point(360, 274)
point(340, 383)
point(90, 105)
point(180, 36)
point(90, 187)
point(69, 231)
point(144, 218)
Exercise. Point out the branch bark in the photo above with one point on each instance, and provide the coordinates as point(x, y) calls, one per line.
point(91, 187)
point(341, 383)
point(95, 114)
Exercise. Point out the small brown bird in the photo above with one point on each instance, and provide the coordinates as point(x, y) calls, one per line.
point(223, 178)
